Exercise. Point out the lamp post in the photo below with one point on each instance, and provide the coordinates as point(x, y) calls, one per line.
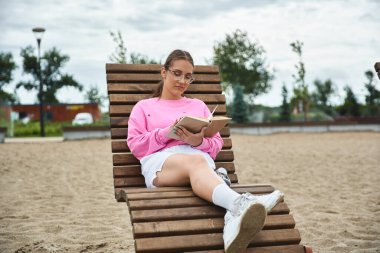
point(38, 32)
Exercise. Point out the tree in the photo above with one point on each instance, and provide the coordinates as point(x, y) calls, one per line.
point(137, 58)
point(239, 108)
point(372, 99)
point(350, 106)
point(52, 77)
point(120, 54)
point(93, 95)
point(322, 94)
point(7, 66)
point(301, 97)
point(285, 107)
point(242, 62)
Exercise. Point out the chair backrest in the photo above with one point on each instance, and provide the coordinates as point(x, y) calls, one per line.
point(129, 83)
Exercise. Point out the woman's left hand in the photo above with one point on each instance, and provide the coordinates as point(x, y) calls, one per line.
point(190, 138)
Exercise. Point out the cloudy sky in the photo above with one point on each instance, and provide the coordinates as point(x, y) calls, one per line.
point(341, 38)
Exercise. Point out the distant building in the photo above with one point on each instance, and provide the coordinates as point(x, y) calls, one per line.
point(53, 112)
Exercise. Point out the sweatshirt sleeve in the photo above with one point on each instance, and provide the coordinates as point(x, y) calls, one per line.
point(140, 141)
point(211, 145)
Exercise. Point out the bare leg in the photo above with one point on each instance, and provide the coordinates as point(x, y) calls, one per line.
point(182, 169)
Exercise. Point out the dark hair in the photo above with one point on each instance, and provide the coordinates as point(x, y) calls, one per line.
point(173, 56)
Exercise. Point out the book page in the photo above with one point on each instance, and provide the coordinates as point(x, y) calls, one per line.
point(212, 113)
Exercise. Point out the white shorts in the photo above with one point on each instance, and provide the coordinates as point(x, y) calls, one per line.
point(152, 164)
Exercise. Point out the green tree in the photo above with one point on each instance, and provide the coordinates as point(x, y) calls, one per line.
point(285, 106)
point(239, 108)
point(93, 95)
point(120, 54)
point(351, 106)
point(52, 77)
point(322, 95)
point(301, 96)
point(372, 99)
point(7, 66)
point(137, 58)
point(242, 62)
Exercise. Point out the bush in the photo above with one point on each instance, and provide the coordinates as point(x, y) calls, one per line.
point(32, 129)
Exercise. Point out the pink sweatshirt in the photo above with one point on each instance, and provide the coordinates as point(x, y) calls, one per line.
point(150, 121)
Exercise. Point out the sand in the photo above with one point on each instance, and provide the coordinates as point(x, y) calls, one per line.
point(58, 196)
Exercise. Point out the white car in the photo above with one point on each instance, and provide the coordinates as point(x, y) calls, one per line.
point(83, 118)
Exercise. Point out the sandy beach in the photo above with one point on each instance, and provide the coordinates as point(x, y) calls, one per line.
point(58, 196)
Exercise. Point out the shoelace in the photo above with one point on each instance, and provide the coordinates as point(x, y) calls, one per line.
point(224, 177)
point(241, 203)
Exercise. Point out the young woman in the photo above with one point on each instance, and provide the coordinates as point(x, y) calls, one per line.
point(190, 160)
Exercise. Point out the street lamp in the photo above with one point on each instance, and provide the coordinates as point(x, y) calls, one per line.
point(38, 32)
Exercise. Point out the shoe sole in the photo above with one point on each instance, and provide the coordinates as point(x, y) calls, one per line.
point(252, 221)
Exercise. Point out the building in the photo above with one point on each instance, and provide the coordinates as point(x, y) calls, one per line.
point(53, 112)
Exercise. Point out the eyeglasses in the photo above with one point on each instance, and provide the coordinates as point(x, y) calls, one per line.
point(177, 74)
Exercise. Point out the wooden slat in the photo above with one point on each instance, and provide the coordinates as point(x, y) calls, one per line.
point(117, 122)
point(120, 110)
point(131, 99)
point(180, 202)
point(155, 68)
point(126, 171)
point(201, 226)
point(122, 147)
point(119, 133)
point(135, 170)
point(276, 237)
point(148, 88)
point(187, 188)
point(213, 241)
point(125, 110)
point(270, 249)
point(125, 159)
point(129, 159)
point(129, 181)
point(166, 203)
point(138, 180)
point(122, 192)
point(122, 132)
point(189, 213)
point(156, 77)
point(126, 68)
point(147, 195)
point(119, 146)
point(377, 66)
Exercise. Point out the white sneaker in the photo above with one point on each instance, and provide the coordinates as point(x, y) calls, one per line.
point(268, 200)
point(241, 225)
point(222, 172)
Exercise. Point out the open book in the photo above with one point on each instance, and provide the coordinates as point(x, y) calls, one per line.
point(195, 124)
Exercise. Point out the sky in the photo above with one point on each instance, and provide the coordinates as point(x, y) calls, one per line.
point(341, 38)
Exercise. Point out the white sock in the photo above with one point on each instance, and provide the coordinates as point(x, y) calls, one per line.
point(224, 196)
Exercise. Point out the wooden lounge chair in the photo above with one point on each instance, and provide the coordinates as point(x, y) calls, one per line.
point(173, 219)
point(377, 69)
